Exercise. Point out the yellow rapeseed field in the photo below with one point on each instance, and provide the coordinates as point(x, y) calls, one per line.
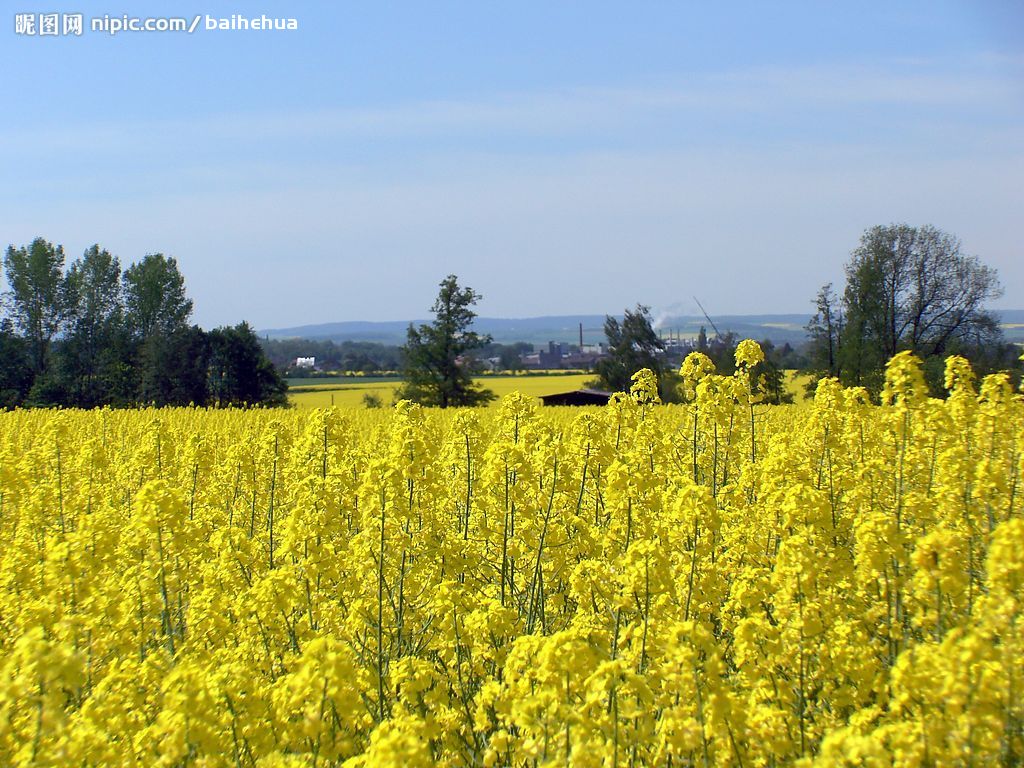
point(349, 394)
point(719, 583)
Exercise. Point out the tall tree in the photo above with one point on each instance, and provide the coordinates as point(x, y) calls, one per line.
point(922, 291)
point(632, 344)
point(824, 331)
point(437, 364)
point(907, 288)
point(97, 337)
point(154, 297)
point(95, 321)
point(37, 296)
point(156, 318)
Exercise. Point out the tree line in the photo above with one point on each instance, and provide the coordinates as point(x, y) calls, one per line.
point(907, 288)
point(364, 356)
point(92, 334)
point(369, 356)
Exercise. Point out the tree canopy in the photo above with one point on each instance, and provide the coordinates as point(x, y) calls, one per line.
point(93, 331)
point(438, 366)
point(92, 336)
point(238, 370)
point(907, 288)
point(154, 297)
point(36, 297)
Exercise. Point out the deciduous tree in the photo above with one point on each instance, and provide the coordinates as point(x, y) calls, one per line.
point(907, 288)
point(93, 353)
point(37, 296)
point(239, 371)
point(154, 297)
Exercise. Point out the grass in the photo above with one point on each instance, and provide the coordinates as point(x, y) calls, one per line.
point(351, 392)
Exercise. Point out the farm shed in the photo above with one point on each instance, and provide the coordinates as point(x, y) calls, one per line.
point(578, 397)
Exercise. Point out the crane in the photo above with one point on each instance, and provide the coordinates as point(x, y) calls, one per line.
point(718, 333)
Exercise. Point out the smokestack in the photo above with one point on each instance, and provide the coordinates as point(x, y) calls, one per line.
point(581, 337)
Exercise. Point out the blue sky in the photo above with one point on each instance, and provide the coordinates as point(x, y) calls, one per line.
point(559, 157)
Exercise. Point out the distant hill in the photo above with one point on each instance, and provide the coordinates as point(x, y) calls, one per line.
point(557, 328)
point(779, 329)
point(566, 328)
point(536, 330)
point(1013, 324)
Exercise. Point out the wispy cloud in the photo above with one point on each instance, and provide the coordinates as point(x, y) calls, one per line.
point(553, 114)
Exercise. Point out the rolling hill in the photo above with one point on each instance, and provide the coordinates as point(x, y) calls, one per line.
point(779, 328)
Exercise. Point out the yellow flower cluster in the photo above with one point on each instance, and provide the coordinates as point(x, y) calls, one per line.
point(715, 583)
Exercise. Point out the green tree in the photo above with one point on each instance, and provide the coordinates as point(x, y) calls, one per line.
point(239, 372)
point(154, 297)
point(37, 296)
point(824, 330)
point(156, 318)
point(510, 356)
point(437, 362)
point(907, 288)
point(632, 345)
point(173, 368)
point(93, 354)
point(922, 292)
point(15, 369)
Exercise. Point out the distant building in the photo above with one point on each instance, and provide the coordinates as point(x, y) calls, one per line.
point(305, 362)
point(559, 355)
point(578, 397)
point(586, 358)
point(552, 357)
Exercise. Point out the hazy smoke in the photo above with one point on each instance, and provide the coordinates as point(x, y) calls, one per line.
point(665, 317)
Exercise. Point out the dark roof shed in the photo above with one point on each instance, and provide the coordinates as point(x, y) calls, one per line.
point(578, 397)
